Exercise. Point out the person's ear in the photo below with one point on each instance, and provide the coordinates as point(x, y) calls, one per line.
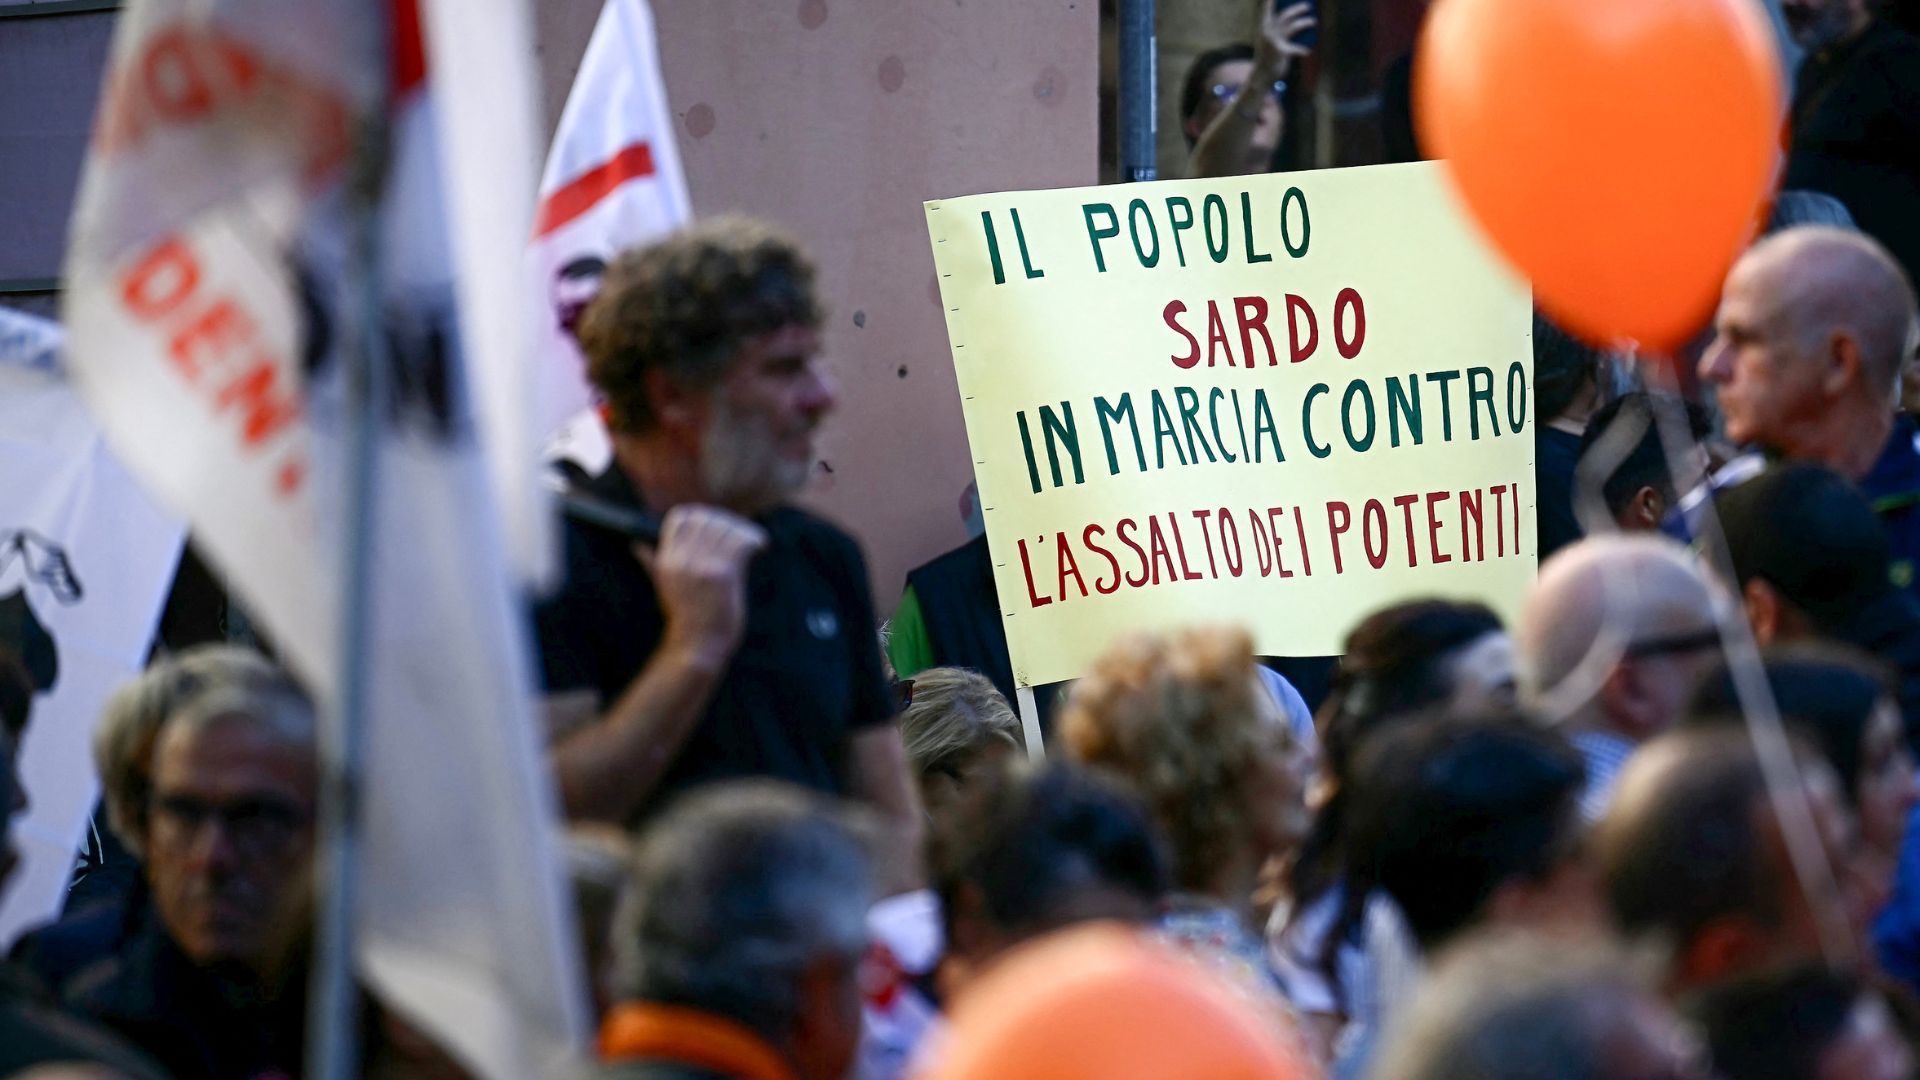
point(826, 1026)
point(1845, 368)
point(1719, 949)
point(1646, 508)
point(675, 407)
point(1764, 613)
point(1619, 691)
point(1628, 700)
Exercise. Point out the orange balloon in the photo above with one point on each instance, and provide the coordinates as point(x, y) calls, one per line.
point(1617, 151)
point(1102, 1003)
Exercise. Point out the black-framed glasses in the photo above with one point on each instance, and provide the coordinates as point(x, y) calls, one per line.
point(1228, 91)
point(255, 826)
point(903, 692)
point(1672, 644)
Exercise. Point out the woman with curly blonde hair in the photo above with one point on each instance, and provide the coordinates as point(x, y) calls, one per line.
point(1184, 720)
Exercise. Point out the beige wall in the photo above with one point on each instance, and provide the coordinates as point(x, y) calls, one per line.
point(837, 118)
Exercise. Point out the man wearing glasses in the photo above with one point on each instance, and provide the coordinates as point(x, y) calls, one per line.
point(205, 987)
point(1612, 639)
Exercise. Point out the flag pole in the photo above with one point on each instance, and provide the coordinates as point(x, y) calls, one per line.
point(333, 1020)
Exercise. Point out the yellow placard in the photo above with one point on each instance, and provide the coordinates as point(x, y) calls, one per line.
point(1282, 401)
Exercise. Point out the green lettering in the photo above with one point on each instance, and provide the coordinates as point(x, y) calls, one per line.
point(1095, 234)
point(1110, 415)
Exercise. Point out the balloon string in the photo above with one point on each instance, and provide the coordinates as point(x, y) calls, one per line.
point(1784, 777)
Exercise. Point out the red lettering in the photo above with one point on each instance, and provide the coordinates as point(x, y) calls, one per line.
point(1252, 313)
point(217, 331)
point(1295, 307)
point(1173, 526)
point(1279, 558)
point(1230, 543)
point(1434, 499)
point(1086, 539)
point(1349, 300)
point(1067, 566)
point(1306, 555)
point(1174, 308)
point(161, 280)
point(1472, 509)
point(1373, 519)
point(1335, 531)
point(1157, 544)
point(1207, 538)
point(1120, 531)
point(1262, 550)
point(291, 475)
point(265, 409)
point(172, 77)
point(1405, 503)
point(1499, 493)
point(1217, 336)
point(1034, 599)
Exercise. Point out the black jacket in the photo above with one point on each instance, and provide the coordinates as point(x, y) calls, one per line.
point(34, 1030)
point(190, 1020)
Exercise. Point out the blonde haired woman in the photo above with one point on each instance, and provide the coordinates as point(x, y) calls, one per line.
point(956, 728)
point(1184, 719)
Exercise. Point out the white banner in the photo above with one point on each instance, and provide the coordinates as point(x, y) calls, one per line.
point(210, 331)
point(612, 181)
point(85, 561)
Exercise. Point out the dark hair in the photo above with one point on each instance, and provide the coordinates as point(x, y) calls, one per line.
point(1193, 88)
point(16, 693)
point(1826, 691)
point(685, 304)
point(1810, 534)
point(1033, 840)
point(1395, 664)
point(583, 266)
point(1394, 670)
point(1444, 814)
point(1562, 365)
point(1646, 464)
point(1689, 852)
point(1775, 1025)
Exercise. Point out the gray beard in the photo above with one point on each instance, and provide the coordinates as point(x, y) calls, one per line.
point(741, 468)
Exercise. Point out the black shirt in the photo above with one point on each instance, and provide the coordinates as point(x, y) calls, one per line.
point(192, 1022)
point(1555, 455)
point(805, 679)
point(1855, 134)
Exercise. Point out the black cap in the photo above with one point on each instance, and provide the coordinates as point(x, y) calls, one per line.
point(1811, 535)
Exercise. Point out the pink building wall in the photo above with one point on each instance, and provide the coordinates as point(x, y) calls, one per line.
point(834, 118)
point(837, 119)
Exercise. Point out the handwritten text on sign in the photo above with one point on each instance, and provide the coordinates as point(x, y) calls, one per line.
point(1282, 401)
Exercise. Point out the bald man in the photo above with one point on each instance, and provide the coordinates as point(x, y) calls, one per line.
point(1812, 334)
point(1611, 641)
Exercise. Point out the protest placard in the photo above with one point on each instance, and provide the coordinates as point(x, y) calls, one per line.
point(1281, 400)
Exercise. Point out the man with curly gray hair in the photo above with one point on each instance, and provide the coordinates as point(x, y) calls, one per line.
point(741, 643)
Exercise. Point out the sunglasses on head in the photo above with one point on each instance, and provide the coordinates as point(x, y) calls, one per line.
point(1672, 644)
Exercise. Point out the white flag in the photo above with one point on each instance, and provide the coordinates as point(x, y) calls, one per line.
point(85, 559)
point(612, 181)
point(209, 308)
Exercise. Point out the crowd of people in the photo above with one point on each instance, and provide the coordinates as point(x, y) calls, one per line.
point(1661, 826)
